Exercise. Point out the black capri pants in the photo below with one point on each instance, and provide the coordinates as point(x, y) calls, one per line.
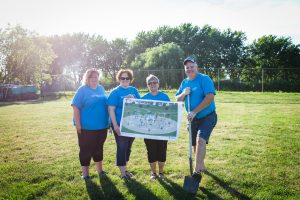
point(156, 150)
point(91, 145)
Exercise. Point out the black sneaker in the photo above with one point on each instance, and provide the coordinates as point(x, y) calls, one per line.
point(197, 176)
point(102, 174)
point(161, 175)
point(85, 178)
point(125, 178)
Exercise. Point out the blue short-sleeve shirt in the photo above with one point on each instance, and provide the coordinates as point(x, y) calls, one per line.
point(116, 98)
point(161, 96)
point(92, 104)
point(200, 87)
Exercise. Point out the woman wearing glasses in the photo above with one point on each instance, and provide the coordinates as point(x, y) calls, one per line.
point(156, 149)
point(115, 107)
point(91, 120)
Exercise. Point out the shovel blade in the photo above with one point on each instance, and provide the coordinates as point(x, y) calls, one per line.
point(190, 184)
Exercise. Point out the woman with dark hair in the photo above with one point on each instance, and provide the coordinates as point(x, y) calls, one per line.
point(115, 109)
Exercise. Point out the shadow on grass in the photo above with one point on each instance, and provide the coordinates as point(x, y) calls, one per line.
point(209, 194)
point(109, 189)
point(225, 186)
point(93, 190)
point(175, 190)
point(139, 190)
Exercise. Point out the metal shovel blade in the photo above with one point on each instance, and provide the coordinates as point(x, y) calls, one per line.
point(190, 184)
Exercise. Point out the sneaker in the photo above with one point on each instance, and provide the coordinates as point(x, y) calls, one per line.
point(102, 173)
point(197, 176)
point(128, 174)
point(153, 176)
point(86, 177)
point(125, 178)
point(161, 175)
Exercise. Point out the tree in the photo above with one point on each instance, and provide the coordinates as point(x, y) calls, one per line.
point(27, 56)
point(275, 55)
point(166, 56)
point(115, 57)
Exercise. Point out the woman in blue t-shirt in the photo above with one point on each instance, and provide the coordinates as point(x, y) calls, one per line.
point(156, 149)
point(91, 120)
point(115, 108)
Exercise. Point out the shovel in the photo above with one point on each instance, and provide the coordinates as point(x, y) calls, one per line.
point(190, 184)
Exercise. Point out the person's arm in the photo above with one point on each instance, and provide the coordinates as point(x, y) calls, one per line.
point(112, 114)
point(184, 93)
point(76, 114)
point(206, 102)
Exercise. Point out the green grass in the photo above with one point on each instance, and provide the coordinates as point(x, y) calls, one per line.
point(254, 153)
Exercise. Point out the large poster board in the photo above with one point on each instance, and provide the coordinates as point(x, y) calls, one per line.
point(151, 119)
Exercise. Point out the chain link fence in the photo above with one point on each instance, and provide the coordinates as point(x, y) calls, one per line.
point(238, 79)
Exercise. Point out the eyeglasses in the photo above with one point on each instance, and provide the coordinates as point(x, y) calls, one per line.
point(93, 77)
point(124, 78)
point(153, 82)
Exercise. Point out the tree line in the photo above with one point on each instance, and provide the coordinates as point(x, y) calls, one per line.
point(28, 58)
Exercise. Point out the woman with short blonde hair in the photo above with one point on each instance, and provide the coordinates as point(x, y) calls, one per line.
point(156, 149)
point(87, 75)
point(90, 117)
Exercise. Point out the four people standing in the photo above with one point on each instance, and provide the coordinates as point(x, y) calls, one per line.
point(90, 105)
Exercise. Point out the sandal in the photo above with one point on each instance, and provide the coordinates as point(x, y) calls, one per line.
point(128, 174)
point(153, 176)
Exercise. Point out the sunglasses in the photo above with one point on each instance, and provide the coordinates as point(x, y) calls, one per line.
point(124, 78)
point(150, 83)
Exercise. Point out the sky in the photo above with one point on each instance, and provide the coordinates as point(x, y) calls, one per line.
point(125, 18)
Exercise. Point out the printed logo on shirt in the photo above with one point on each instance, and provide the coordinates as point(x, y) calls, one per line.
point(194, 88)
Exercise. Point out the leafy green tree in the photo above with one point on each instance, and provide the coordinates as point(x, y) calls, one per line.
point(115, 57)
point(163, 57)
point(27, 56)
point(275, 55)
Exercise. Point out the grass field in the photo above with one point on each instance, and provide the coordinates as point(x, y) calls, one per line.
point(254, 153)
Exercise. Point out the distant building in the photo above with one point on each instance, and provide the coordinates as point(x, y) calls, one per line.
point(10, 92)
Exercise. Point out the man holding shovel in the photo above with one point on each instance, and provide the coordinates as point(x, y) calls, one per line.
point(200, 105)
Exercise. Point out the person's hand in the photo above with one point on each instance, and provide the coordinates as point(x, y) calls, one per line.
point(117, 130)
point(130, 96)
point(191, 116)
point(187, 91)
point(78, 128)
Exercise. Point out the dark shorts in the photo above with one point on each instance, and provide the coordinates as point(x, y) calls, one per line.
point(203, 127)
point(91, 145)
point(156, 150)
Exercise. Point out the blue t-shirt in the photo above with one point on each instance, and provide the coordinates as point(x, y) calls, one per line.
point(116, 98)
point(200, 87)
point(92, 104)
point(161, 96)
